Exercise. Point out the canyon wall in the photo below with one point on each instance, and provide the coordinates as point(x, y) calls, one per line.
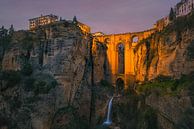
point(164, 54)
point(46, 74)
point(43, 72)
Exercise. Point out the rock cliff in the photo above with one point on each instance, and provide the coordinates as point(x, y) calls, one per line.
point(167, 53)
point(45, 79)
point(43, 72)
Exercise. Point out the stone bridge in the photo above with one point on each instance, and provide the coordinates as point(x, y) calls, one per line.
point(120, 54)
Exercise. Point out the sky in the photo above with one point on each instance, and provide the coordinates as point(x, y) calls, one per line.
point(108, 16)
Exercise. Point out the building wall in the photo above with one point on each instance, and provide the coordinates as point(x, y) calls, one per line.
point(184, 7)
point(42, 20)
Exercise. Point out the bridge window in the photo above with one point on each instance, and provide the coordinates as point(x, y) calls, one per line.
point(121, 58)
point(135, 39)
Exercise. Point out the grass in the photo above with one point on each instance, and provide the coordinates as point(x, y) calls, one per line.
point(167, 85)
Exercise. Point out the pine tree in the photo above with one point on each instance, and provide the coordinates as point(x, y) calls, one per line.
point(172, 15)
point(11, 30)
point(75, 20)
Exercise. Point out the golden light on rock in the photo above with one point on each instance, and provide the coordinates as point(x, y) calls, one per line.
point(129, 41)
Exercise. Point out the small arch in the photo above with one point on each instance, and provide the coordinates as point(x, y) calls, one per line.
point(135, 39)
point(120, 86)
point(96, 40)
point(107, 40)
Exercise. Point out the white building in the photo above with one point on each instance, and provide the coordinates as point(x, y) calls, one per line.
point(184, 7)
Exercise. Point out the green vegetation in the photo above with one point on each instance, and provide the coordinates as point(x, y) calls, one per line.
point(27, 43)
point(190, 51)
point(5, 40)
point(9, 79)
point(147, 119)
point(167, 85)
point(172, 15)
point(180, 24)
point(40, 84)
point(105, 84)
point(129, 115)
point(69, 118)
point(26, 69)
point(187, 121)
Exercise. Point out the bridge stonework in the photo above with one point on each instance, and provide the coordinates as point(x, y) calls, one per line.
point(129, 40)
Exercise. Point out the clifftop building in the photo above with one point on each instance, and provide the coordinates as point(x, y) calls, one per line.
point(184, 7)
point(34, 23)
point(42, 20)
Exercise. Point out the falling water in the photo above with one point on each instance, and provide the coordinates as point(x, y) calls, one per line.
point(108, 119)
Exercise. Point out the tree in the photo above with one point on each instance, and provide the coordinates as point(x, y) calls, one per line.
point(172, 15)
point(11, 30)
point(75, 20)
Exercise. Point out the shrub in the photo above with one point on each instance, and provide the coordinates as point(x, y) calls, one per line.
point(106, 84)
point(105, 87)
point(187, 120)
point(190, 51)
point(27, 69)
point(164, 83)
point(39, 84)
point(43, 83)
point(162, 78)
point(74, 121)
point(148, 119)
point(11, 78)
point(29, 84)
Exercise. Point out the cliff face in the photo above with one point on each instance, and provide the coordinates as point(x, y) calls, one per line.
point(164, 54)
point(51, 67)
point(45, 80)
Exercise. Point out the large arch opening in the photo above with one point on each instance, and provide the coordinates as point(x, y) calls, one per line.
point(120, 86)
point(121, 58)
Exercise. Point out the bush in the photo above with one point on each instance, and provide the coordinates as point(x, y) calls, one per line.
point(73, 120)
point(148, 119)
point(190, 51)
point(11, 78)
point(27, 69)
point(29, 84)
point(43, 83)
point(106, 84)
point(39, 84)
point(187, 120)
point(164, 83)
point(162, 78)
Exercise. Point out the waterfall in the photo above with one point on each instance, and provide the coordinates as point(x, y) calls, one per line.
point(108, 119)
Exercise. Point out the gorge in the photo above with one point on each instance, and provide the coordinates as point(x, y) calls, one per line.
point(60, 76)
